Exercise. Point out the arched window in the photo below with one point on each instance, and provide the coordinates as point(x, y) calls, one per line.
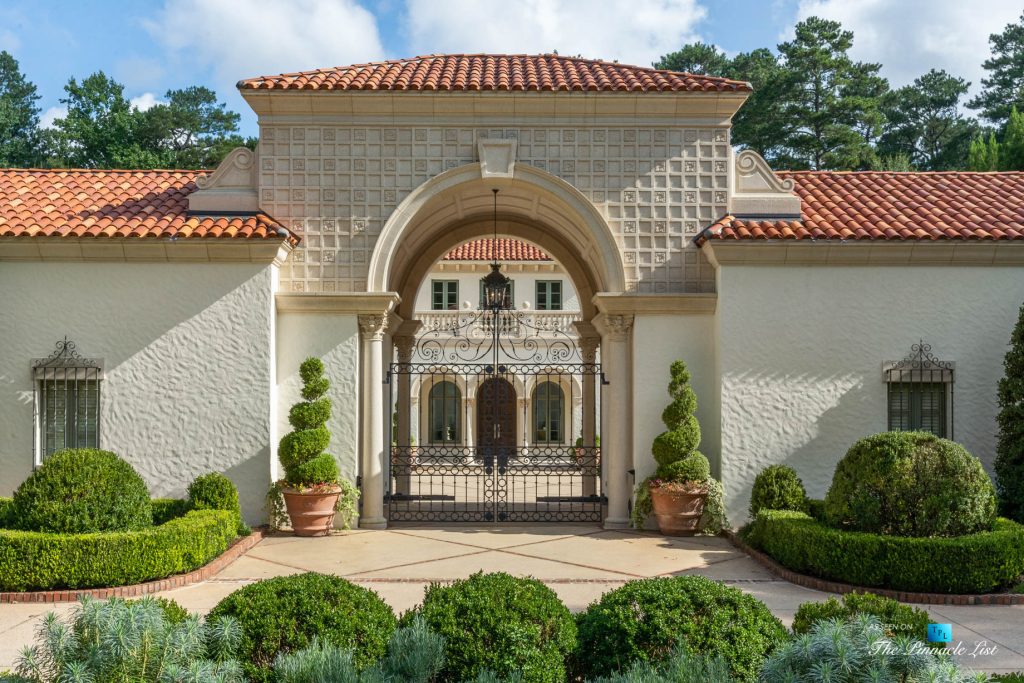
point(548, 413)
point(445, 425)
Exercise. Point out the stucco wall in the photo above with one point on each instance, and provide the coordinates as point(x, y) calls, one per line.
point(334, 339)
point(801, 352)
point(658, 340)
point(187, 350)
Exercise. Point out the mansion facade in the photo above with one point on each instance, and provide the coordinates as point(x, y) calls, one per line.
point(164, 314)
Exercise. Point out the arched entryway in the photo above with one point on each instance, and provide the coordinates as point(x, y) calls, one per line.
point(533, 206)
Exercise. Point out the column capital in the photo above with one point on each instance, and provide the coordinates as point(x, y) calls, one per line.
point(588, 349)
point(405, 343)
point(617, 327)
point(372, 326)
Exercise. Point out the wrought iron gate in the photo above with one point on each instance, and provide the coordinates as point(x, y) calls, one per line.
point(496, 419)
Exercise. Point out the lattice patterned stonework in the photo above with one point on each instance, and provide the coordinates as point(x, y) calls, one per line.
point(657, 187)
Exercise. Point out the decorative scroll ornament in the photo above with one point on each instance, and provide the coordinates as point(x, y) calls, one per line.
point(920, 361)
point(65, 355)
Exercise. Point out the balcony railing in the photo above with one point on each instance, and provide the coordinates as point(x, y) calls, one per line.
point(539, 323)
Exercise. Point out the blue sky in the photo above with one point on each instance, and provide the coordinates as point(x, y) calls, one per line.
point(155, 45)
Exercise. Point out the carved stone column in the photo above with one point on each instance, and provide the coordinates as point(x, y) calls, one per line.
point(588, 353)
point(616, 408)
point(404, 345)
point(371, 334)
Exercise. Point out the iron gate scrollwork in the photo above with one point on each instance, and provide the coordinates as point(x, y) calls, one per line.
point(496, 419)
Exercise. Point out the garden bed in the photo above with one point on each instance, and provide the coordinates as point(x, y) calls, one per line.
point(966, 569)
point(33, 561)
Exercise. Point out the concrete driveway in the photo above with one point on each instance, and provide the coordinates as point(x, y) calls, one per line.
point(577, 562)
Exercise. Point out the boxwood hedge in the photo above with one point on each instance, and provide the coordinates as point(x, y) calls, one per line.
point(31, 560)
point(977, 563)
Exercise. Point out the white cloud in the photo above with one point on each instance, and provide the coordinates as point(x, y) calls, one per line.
point(243, 38)
point(633, 32)
point(909, 37)
point(145, 101)
point(52, 114)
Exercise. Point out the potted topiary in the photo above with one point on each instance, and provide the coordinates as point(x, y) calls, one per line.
point(311, 488)
point(678, 491)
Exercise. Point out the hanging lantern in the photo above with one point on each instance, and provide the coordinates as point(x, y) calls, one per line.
point(497, 287)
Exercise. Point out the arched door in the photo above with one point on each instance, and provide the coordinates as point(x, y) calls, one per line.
point(496, 422)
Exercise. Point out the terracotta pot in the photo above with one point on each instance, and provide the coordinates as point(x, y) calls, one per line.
point(678, 512)
point(311, 513)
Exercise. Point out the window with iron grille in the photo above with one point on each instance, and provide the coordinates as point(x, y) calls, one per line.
point(444, 295)
point(920, 392)
point(67, 401)
point(549, 295)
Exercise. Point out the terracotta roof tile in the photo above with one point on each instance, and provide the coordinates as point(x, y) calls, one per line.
point(495, 73)
point(112, 203)
point(508, 250)
point(869, 205)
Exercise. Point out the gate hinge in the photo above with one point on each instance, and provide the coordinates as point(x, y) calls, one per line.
point(359, 480)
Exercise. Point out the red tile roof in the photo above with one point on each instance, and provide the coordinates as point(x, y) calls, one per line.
point(113, 203)
point(869, 205)
point(508, 250)
point(495, 72)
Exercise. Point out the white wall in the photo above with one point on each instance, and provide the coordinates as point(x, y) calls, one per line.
point(525, 287)
point(334, 338)
point(187, 352)
point(801, 352)
point(658, 340)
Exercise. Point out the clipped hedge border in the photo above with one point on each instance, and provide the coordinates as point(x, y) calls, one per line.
point(977, 563)
point(32, 560)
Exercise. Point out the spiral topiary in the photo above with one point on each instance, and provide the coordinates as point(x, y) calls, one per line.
point(675, 450)
point(302, 451)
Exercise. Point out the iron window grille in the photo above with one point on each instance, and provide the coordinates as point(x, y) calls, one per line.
point(67, 401)
point(549, 295)
point(444, 295)
point(920, 392)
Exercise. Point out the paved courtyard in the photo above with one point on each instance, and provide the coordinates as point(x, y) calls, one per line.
point(577, 562)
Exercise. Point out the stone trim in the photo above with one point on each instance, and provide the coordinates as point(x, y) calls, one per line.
point(353, 304)
point(209, 250)
point(827, 586)
point(655, 304)
point(838, 253)
point(204, 573)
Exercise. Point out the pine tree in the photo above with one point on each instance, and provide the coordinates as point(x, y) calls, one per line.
point(994, 153)
point(1011, 156)
point(1009, 465)
point(19, 116)
point(1004, 87)
point(977, 155)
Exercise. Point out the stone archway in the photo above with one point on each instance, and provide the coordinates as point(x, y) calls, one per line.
point(535, 206)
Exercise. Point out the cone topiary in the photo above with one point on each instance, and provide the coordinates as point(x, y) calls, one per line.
point(1009, 465)
point(302, 451)
point(675, 450)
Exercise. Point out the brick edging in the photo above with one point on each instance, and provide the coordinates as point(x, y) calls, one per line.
point(817, 584)
point(238, 548)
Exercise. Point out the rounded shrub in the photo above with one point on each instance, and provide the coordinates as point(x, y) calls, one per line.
point(214, 491)
point(910, 484)
point(896, 618)
point(647, 620)
point(286, 613)
point(82, 490)
point(173, 612)
point(500, 623)
point(777, 487)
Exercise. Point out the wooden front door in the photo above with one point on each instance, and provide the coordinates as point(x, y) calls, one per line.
point(496, 422)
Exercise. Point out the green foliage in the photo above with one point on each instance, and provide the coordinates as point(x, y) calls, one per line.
point(697, 58)
point(646, 620)
point(977, 563)
point(191, 129)
point(82, 490)
point(285, 613)
point(166, 509)
point(896, 619)
point(682, 435)
point(302, 451)
point(910, 484)
point(816, 508)
point(118, 641)
point(1009, 464)
point(415, 655)
point(31, 560)
point(6, 508)
point(694, 467)
point(924, 125)
point(214, 491)
point(859, 650)
point(777, 487)
point(174, 613)
point(1011, 152)
point(983, 156)
point(680, 667)
point(1004, 87)
point(500, 623)
point(19, 116)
